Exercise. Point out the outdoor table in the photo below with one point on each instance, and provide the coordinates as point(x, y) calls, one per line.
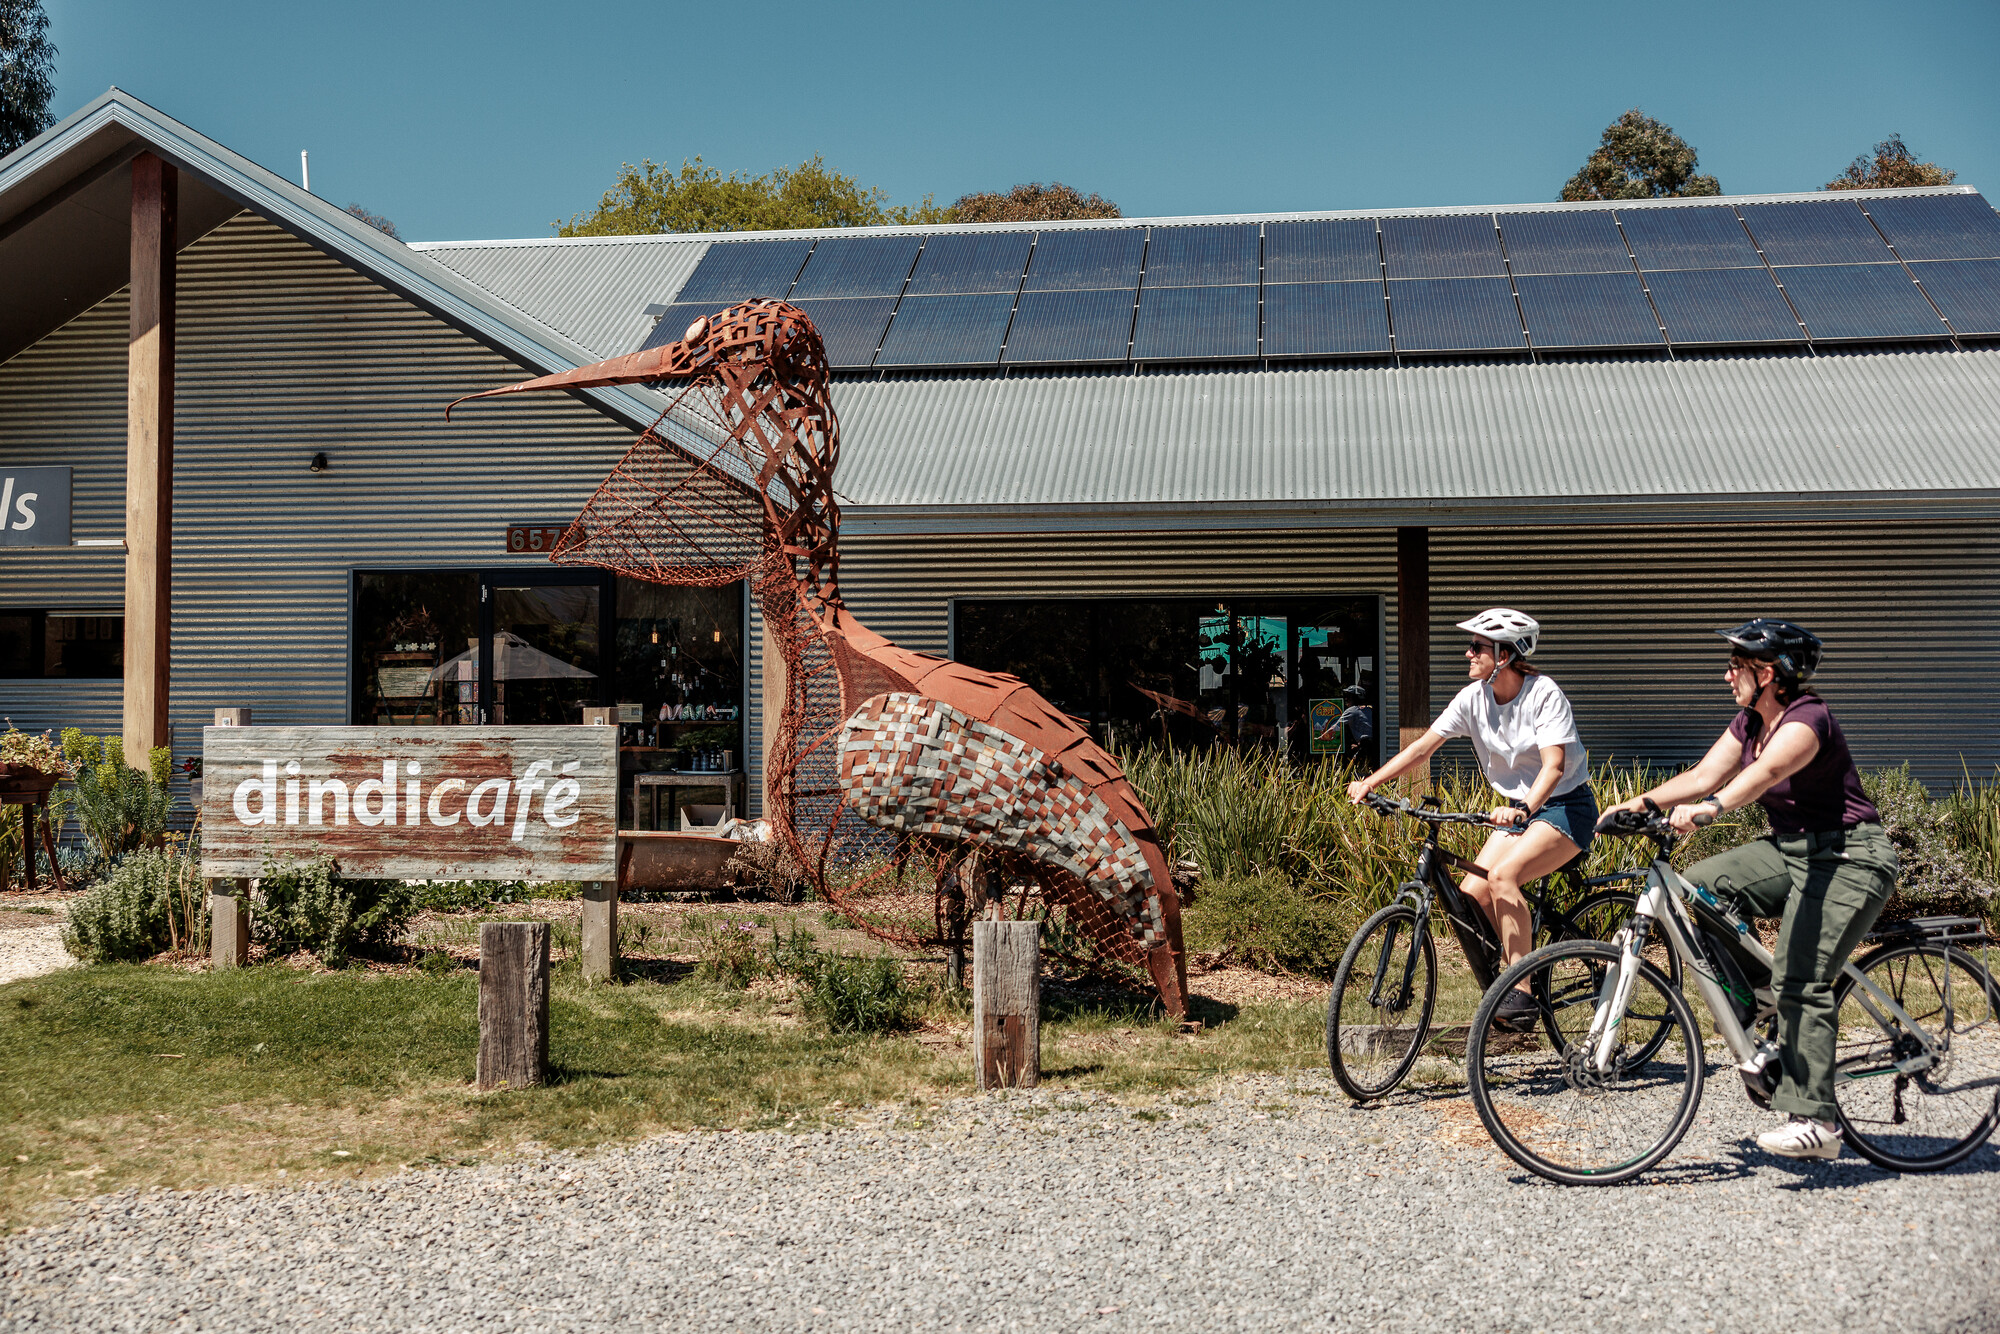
point(29, 789)
point(730, 782)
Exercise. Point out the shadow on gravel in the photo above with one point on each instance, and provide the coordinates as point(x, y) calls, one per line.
point(1852, 1170)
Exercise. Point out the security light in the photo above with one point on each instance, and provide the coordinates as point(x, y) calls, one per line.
point(318, 463)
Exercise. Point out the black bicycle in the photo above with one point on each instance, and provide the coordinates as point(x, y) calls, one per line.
point(1379, 1016)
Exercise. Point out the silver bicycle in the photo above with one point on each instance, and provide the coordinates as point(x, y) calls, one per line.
point(1618, 1082)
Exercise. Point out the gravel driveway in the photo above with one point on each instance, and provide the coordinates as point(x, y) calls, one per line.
point(1264, 1204)
point(30, 951)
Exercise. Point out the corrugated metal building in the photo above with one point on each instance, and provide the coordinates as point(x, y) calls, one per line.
point(1633, 503)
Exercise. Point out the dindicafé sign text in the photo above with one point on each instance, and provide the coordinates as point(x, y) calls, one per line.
point(512, 803)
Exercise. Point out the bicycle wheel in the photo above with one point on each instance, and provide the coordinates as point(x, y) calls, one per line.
point(1933, 1112)
point(1546, 1105)
point(1598, 917)
point(1380, 1010)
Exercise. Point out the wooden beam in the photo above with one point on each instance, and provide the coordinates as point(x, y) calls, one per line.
point(513, 1004)
point(149, 459)
point(1006, 1004)
point(1413, 633)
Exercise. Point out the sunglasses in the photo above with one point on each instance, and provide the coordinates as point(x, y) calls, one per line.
point(1479, 648)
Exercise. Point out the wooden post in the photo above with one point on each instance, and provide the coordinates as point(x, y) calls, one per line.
point(1006, 1004)
point(954, 928)
point(149, 460)
point(600, 930)
point(1413, 637)
point(228, 923)
point(513, 1004)
point(228, 914)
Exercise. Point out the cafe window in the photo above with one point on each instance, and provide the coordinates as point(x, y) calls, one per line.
point(518, 646)
point(1300, 674)
point(83, 645)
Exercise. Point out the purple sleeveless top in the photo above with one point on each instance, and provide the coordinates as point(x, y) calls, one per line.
point(1823, 796)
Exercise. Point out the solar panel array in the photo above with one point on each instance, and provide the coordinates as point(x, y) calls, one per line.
point(1832, 270)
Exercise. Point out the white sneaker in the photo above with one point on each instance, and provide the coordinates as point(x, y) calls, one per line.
point(1802, 1137)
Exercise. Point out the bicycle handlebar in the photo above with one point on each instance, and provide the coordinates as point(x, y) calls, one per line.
point(1403, 806)
point(1651, 823)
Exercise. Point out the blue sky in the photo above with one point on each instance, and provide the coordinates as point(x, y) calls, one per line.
point(462, 120)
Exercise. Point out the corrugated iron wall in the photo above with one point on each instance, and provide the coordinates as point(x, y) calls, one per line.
point(1909, 613)
point(283, 352)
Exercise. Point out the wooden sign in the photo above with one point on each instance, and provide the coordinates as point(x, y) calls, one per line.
point(413, 803)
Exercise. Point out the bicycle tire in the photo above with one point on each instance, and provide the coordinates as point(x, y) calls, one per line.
point(1611, 908)
point(1865, 1052)
point(1552, 1096)
point(1363, 1066)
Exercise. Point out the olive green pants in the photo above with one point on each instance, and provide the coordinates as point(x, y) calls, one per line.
point(1828, 888)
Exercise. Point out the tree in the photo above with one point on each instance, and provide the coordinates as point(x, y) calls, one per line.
point(27, 72)
point(1639, 158)
point(1893, 166)
point(375, 220)
point(698, 198)
point(1033, 202)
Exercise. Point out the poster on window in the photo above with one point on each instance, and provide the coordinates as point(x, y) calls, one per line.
point(413, 803)
point(1325, 724)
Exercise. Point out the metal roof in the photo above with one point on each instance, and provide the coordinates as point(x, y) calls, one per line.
point(594, 289)
point(50, 223)
point(1496, 442)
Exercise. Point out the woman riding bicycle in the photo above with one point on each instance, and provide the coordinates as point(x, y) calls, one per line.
point(1524, 734)
point(1827, 865)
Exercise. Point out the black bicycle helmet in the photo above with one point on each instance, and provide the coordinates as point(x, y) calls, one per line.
point(1792, 649)
point(1355, 694)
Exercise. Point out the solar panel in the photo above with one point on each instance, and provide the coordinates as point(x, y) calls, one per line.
point(1094, 258)
point(673, 325)
point(1070, 326)
point(1455, 315)
point(733, 271)
point(1321, 252)
point(1967, 291)
point(1324, 319)
point(1454, 247)
point(851, 327)
point(972, 262)
point(1212, 256)
point(1701, 306)
point(1573, 310)
point(1938, 226)
point(1697, 237)
point(858, 266)
point(1860, 301)
point(1182, 323)
point(1585, 241)
point(962, 330)
point(1833, 232)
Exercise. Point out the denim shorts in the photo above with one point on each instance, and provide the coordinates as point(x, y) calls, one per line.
point(1574, 815)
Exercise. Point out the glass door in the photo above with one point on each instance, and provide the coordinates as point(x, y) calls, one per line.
point(541, 656)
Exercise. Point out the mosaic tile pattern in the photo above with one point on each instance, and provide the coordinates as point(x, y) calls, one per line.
point(920, 766)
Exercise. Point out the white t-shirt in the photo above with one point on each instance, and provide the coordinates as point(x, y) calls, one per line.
point(1508, 737)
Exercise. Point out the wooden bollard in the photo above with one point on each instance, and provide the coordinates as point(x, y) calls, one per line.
point(1006, 1004)
point(513, 1004)
point(228, 909)
point(600, 930)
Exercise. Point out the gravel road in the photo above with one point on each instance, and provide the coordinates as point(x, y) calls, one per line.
point(30, 951)
point(1261, 1204)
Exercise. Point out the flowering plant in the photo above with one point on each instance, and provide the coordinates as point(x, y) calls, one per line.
point(33, 750)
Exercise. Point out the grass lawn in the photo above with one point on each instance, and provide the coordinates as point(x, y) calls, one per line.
point(147, 1075)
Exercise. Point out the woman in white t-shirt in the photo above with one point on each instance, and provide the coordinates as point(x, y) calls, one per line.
point(1524, 734)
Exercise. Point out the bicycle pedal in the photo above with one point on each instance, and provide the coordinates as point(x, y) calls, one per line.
point(1760, 1079)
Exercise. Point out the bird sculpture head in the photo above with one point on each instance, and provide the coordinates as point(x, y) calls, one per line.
point(748, 413)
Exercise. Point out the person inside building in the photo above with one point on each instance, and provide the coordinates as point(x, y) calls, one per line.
point(1827, 865)
point(1354, 729)
point(1524, 734)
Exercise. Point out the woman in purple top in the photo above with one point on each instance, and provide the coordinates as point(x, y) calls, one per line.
point(1827, 865)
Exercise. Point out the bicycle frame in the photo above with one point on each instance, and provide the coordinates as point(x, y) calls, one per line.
point(1665, 901)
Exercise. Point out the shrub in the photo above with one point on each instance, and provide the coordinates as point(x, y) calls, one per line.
point(1267, 922)
point(462, 895)
point(151, 901)
point(119, 807)
point(1936, 870)
point(858, 994)
point(308, 906)
point(727, 953)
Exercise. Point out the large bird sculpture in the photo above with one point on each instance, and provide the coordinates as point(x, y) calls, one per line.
point(880, 755)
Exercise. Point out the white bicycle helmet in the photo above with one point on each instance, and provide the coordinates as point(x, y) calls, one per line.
point(1504, 625)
